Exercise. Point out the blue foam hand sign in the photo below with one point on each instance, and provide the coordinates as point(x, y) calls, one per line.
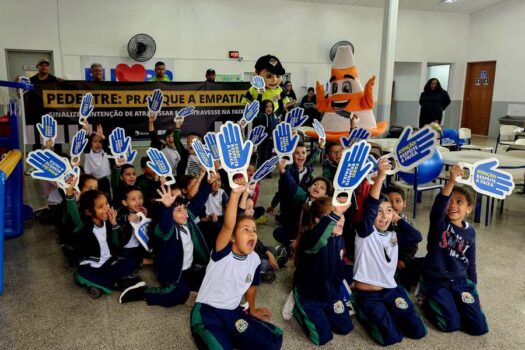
point(86, 108)
point(234, 152)
point(250, 112)
point(140, 230)
point(356, 135)
point(319, 129)
point(155, 101)
point(119, 142)
point(131, 154)
point(64, 181)
point(266, 168)
point(296, 117)
point(258, 83)
point(49, 166)
point(159, 164)
point(13, 108)
point(284, 143)
point(353, 168)
point(258, 135)
point(487, 179)
point(186, 111)
point(78, 144)
point(373, 171)
point(203, 154)
point(414, 148)
point(211, 142)
point(48, 127)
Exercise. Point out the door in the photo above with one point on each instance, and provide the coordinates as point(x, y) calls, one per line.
point(477, 100)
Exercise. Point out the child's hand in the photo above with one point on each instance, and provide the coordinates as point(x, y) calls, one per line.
point(395, 217)
point(261, 313)
point(211, 177)
point(382, 166)
point(270, 210)
point(144, 211)
point(179, 121)
point(100, 132)
point(112, 213)
point(133, 218)
point(213, 218)
point(401, 265)
point(340, 209)
point(152, 117)
point(243, 185)
point(272, 261)
point(281, 165)
point(70, 191)
point(455, 172)
point(322, 143)
point(165, 196)
point(49, 143)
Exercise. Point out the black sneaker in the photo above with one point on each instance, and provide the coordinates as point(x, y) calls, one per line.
point(281, 255)
point(133, 293)
point(94, 293)
point(127, 282)
point(268, 277)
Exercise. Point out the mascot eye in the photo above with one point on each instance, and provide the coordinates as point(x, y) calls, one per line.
point(347, 88)
point(334, 88)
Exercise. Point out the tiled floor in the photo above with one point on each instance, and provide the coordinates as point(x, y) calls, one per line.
point(43, 309)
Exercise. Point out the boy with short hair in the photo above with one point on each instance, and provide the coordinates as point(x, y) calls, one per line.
point(449, 271)
point(408, 266)
point(334, 152)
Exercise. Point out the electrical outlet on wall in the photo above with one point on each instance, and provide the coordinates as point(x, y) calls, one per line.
point(516, 110)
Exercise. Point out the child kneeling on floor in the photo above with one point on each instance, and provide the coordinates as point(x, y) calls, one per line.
point(319, 306)
point(217, 320)
point(449, 271)
point(381, 305)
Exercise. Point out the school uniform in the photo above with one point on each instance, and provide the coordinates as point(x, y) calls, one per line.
point(409, 275)
point(97, 164)
point(189, 163)
point(172, 155)
point(181, 255)
point(388, 315)
point(319, 306)
point(449, 274)
point(130, 247)
point(265, 149)
point(217, 320)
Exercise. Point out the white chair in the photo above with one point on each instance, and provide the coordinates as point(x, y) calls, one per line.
point(519, 145)
point(466, 134)
point(507, 135)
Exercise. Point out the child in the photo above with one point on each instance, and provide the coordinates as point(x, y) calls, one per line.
point(320, 187)
point(216, 202)
point(148, 183)
point(217, 320)
point(181, 254)
point(319, 274)
point(132, 204)
point(382, 306)
point(449, 270)
point(96, 161)
point(99, 236)
point(169, 149)
point(121, 177)
point(189, 164)
point(408, 266)
point(269, 120)
point(334, 151)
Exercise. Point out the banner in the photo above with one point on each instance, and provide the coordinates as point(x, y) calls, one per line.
point(109, 65)
point(124, 104)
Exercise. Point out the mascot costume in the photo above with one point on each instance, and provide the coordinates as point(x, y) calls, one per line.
point(271, 70)
point(347, 105)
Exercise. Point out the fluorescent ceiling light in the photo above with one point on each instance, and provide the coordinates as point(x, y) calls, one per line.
point(449, 1)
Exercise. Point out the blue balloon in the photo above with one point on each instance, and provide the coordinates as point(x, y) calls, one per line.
point(427, 171)
point(453, 135)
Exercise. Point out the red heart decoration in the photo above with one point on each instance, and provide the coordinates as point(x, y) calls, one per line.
point(136, 72)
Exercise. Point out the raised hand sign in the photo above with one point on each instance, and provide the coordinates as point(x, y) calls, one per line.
point(296, 117)
point(119, 143)
point(319, 129)
point(353, 168)
point(78, 144)
point(155, 102)
point(234, 152)
point(51, 167)
point(356, 135)
point(258, 135)
point(373, 171)
point(140, 230)
point(86, 108)
point(250, 112)
point(266, 168)
point(258, 83)
point(283, 142)
point(412, 149)
point(131, 154)
point(211, 142)
point(485, 178)
point(47, 128)
point(159, 164)
point(183, 113)
point(204, 155)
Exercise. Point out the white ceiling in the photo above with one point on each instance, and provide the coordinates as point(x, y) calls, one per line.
point(461, 6)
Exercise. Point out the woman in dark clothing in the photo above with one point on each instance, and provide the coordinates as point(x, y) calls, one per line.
point(308, 103)
point(433, 102)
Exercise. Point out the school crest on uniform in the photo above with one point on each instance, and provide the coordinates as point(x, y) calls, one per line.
point(467, 298)
point(241, 325)
point(401, 303)
point(248, 278)
point(393, 241)
point(339, 307)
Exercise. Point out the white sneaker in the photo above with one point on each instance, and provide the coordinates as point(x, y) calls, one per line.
point(288, 306)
